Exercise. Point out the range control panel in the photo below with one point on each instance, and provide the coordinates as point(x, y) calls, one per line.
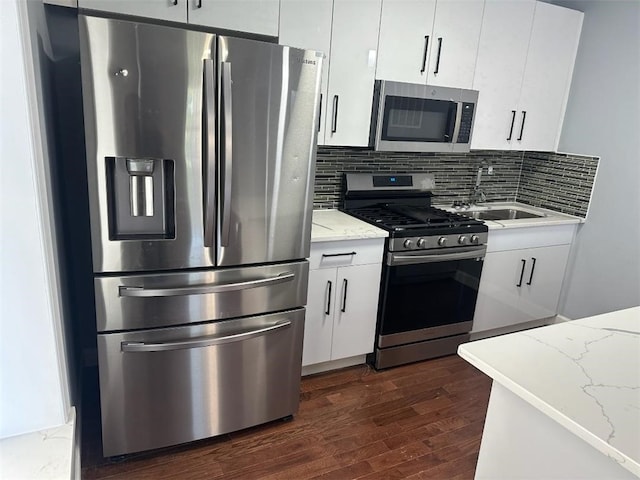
point(438, 241)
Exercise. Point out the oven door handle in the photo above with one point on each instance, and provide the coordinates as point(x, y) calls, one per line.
point(394, 259)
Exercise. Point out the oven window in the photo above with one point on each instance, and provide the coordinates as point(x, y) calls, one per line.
point(408, 119)
point(429, 295)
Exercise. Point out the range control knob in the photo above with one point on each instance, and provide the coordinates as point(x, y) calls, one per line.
point(442, 241)
point(475, 239)
point(408, 243)
point(462, 239)
point(422, 243)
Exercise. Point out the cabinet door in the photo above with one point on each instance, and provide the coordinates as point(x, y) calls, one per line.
point(355, 310)
point(499, 301)
point(318, 327)
point(547, 78)
point(519, 286)
point(502, 54)
point(543, 280)
point(405, 35)
point(170, 10)
point(354, 41)
point(253, 16)
point(454, 46)
point(297, 31)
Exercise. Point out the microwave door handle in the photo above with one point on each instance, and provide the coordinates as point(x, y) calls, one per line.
point(210, 153)
point(456, 128)
point(225, 223)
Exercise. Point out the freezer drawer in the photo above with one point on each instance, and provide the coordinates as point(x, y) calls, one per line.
point(168, 386)
point(156, 300)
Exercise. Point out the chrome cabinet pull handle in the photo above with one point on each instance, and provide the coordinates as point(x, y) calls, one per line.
point(225, 224)
point(524, 116)
point(210, 154)
point(128, 291)
point(524, 262)
point(424, 54)
point(533, 266)
point(137, 347)
point(345, 283)
point(328, 310)
point(334, 120)
point(438, 59)
point(513, 121)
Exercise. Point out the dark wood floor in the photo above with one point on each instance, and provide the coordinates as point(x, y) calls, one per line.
point(420, 421)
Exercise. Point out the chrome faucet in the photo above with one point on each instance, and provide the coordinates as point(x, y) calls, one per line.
point(477, 195)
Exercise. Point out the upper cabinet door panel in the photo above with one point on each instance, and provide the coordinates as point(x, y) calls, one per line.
point(307, 24)
point(454, 45)
point(170, 10)
point(354, 42)
point(252, 16)
point(547, 78)
point(405, 36)
point(502, 54)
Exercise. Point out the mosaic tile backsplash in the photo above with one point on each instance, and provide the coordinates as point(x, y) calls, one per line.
point(517, 176)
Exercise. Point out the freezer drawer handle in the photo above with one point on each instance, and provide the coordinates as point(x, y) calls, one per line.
point(200, 342)
point(126, 291)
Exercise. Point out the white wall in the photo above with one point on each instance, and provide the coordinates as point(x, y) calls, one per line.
point(33, 384)
point(603, 118)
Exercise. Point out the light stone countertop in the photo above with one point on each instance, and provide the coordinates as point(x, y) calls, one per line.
point(43, 455)
point(584, 374)
point(550, 217)
point(330, 225)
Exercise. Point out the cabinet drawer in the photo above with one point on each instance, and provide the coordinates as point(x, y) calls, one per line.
point(348, 252)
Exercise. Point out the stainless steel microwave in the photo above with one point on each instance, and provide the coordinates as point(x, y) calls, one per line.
point(421, 118)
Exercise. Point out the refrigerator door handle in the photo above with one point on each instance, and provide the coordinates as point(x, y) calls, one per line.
point(225, 224)
point(200, 342)
point(128, 291)
point(210, 153)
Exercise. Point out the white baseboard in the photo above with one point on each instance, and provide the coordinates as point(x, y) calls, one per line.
point(333, 365)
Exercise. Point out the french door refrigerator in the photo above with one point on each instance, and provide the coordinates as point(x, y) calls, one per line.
point(200, 157)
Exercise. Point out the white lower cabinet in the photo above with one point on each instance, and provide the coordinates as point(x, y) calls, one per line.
point(342, 302)
point(520, 285)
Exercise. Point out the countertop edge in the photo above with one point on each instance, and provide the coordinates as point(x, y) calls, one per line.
point(342, 226)
point(554, 414)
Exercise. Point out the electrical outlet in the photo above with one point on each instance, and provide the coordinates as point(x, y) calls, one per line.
point(490, 170)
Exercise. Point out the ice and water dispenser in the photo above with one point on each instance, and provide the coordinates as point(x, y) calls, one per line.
point(141, 198)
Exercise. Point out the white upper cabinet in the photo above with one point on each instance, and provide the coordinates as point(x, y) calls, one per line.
point(406, 31)
point(347, 32)
point(525, 62)
point(169, 10)
point(502, 55)
point(547, 78)
point(297, 31)
point(454, 46)
point(252, 16)
point(424, 41)
point(354, 44)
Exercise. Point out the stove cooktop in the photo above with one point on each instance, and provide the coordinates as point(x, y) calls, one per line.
point(414, 220)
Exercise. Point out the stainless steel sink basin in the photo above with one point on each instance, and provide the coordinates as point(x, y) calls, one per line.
point(501, 214)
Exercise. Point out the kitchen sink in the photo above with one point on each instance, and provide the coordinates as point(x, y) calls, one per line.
point(501, 214)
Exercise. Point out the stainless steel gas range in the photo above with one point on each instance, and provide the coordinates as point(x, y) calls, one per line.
point(431, 266)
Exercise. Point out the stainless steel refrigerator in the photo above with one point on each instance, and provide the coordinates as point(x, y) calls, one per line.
point(200, 156)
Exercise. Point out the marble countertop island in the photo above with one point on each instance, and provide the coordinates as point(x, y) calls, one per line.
point(583, 374)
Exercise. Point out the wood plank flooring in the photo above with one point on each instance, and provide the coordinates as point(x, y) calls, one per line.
point(419, 421)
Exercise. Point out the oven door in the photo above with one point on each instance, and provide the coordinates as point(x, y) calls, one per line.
point(429, 294)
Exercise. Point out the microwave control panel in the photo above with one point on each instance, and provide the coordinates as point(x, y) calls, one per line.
point(466, 120)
